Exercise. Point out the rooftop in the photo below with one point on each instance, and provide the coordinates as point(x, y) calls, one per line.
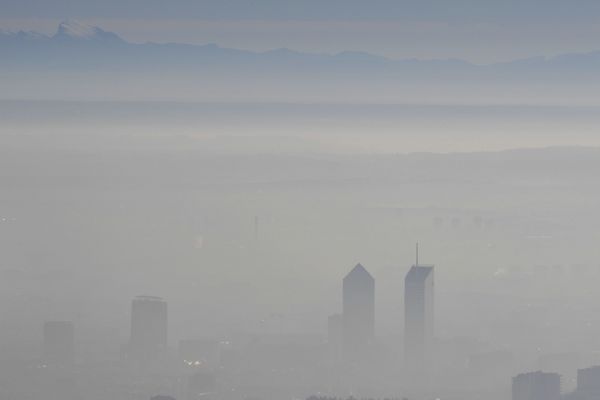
point(418, 273)
point(359, 272)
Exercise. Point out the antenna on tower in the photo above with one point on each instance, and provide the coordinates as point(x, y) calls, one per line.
point(417, 253)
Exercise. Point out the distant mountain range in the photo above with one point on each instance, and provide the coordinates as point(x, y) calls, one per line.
point(67, 34)
point(87, 62)
point(75, 45)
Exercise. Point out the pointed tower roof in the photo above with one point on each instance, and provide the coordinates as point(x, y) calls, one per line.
point(360, 273)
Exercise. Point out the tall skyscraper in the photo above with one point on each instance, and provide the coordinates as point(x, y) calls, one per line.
point(148, 328)
point(418, 317)
point(59, 340)
point(536, 386)
point(358, 312)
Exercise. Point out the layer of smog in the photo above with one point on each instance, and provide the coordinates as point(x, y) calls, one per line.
point(200, 222)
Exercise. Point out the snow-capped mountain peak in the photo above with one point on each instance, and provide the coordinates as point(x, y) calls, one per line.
point(78, 31)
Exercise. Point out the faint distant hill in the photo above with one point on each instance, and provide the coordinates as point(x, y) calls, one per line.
point(75, 45)
point(80, 61)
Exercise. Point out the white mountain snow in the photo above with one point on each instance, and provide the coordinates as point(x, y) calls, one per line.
point(78, 31)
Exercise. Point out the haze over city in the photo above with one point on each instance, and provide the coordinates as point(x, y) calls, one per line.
point(270, 200)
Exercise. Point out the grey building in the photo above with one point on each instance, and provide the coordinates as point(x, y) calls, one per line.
point(358, 316)
point(148, 328)
point(588, 382)
point(536, 386)
point(418, 318)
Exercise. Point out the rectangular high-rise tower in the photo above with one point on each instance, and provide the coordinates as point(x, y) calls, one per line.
point(148, 328)
point(358, 317)
point(418, 318)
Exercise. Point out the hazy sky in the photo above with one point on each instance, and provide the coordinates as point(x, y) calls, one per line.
point(477, 30)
